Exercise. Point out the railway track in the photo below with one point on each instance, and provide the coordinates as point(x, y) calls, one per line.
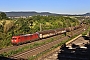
point(37, 50)
point(70, 53)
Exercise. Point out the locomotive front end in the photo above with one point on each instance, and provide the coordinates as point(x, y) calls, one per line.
point(14, 40)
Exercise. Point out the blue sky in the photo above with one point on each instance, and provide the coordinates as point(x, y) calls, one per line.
point(54, 6)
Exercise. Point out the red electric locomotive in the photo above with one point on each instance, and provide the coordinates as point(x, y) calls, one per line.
point(16, 40)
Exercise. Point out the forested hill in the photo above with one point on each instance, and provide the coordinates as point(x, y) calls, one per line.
point(29, 13)
point(33, 13)
point(87, 14)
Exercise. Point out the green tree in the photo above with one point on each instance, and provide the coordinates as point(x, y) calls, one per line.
point(3, 16)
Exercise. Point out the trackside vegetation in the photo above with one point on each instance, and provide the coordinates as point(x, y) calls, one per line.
point(10, 27)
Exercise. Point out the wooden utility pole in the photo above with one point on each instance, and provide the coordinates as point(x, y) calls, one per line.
point(40, 27)
point(89, 36)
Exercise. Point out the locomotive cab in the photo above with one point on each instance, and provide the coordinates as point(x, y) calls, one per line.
point(15, 40)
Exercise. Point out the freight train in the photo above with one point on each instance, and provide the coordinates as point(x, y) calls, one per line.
point(20, 39)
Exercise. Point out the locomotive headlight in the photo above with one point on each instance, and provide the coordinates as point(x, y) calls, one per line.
point(15, 40)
